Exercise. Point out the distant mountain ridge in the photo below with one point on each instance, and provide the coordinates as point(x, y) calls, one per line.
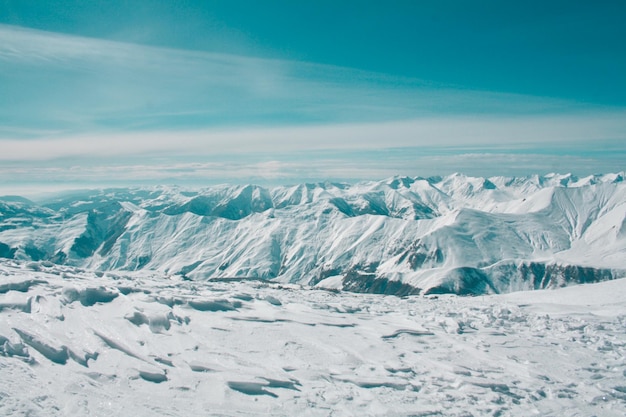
point(403, 235)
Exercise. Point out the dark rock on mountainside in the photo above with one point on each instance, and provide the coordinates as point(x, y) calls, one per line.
point(368, 283)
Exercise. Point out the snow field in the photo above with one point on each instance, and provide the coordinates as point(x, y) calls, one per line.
point(75, 343)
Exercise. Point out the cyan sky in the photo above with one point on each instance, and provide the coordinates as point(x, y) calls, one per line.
point(127, 92)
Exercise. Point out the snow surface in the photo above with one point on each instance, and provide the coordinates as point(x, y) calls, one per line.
point(78, 343)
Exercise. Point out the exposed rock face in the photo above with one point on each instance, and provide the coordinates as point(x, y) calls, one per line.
point(368, 283)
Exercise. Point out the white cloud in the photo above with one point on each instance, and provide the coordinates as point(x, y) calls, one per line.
point(440, 132)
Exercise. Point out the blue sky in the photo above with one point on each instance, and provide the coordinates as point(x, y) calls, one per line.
point(199, 92)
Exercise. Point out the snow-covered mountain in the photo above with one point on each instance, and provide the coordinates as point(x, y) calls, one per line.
point(400, 236)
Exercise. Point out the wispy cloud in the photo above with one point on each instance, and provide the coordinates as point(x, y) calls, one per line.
point(521, 132)
point(76, 84)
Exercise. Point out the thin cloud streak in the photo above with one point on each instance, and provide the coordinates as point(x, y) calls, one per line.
point(81, 85)
point(442, 132)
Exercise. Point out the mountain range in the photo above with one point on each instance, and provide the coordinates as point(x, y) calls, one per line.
point(402, 236)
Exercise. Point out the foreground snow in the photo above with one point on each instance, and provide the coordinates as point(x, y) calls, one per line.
point(76, 343)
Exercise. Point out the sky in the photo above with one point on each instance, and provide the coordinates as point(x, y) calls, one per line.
point(197, 92)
